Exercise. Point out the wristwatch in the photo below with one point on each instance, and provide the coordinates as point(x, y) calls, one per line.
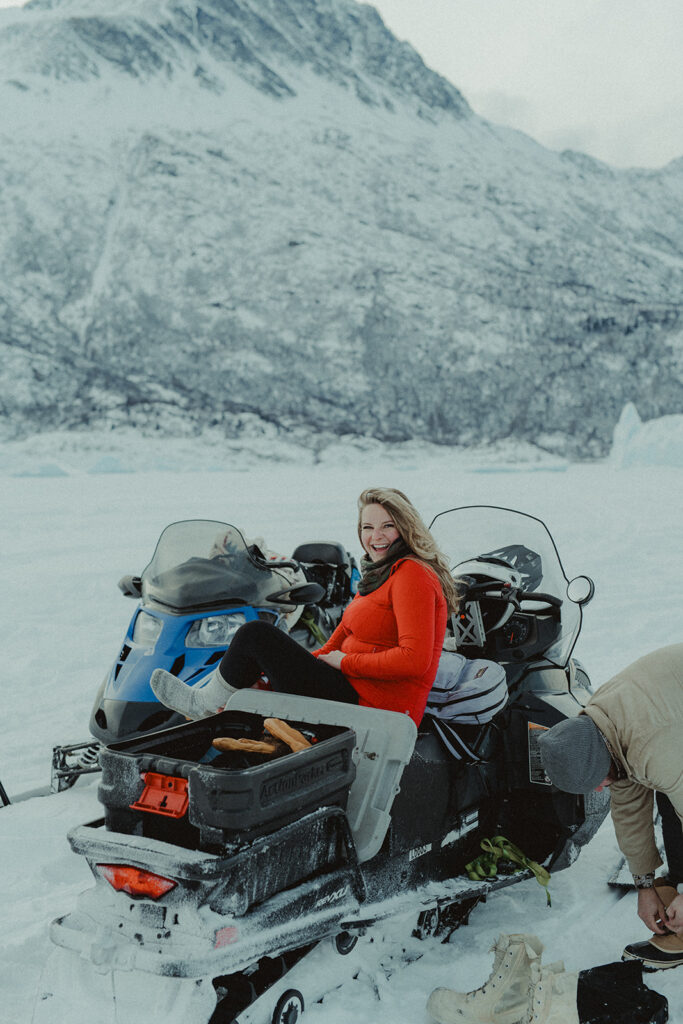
point(644, 881)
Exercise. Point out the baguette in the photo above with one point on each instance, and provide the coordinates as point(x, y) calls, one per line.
point(247, 746)
point(294, 739)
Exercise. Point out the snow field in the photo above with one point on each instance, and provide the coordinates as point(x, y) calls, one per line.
point(67, 539)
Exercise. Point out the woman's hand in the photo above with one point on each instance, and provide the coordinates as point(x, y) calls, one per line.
point(334, 658)
point(651, 910)
point(674, 914)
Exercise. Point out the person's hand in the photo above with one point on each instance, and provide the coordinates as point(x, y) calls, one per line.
point(674, 914)
point(334, 658)
point(651, 910)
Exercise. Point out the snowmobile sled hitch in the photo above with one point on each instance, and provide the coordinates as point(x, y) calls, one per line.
point(71, 761)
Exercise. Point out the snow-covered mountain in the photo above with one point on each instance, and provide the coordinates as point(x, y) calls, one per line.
point(247, 213)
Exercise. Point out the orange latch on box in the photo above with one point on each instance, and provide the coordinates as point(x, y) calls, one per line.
point(163, 794)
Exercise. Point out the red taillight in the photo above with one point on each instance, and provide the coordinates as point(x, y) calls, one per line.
point(135, 881)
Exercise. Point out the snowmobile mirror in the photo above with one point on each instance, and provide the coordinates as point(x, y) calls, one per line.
point(130, 586)
point(302, 593)
point(581, 589)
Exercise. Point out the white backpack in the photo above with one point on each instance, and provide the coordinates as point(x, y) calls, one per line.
point(467, 691)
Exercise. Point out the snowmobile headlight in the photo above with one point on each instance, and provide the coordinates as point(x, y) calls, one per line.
point(214, 631)
point(146, 630)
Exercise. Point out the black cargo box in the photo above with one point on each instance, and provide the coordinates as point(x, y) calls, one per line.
point(175, 786)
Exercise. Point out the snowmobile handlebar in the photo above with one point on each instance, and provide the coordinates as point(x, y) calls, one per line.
point(301, 593)
point(496, 592)
point(275, 563)
point(550, 599)
point(130, 586)
point(509, 594)
point(500, 590)
point(505, 592)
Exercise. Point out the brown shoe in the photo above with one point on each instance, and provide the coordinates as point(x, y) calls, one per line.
point(657, 953)
point(665, 890)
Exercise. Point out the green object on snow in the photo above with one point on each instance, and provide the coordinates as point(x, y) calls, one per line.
point(499, 848)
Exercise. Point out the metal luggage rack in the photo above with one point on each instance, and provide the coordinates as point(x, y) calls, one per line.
point(468, 626)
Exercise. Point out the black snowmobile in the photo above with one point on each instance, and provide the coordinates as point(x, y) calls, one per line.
point(227, 875)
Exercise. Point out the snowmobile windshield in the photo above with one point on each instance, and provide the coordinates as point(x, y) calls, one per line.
point(489, 536)
point(201, 563)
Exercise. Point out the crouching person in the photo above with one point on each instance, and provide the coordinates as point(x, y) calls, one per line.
point(630, 737)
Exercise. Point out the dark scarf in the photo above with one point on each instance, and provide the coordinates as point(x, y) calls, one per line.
point(374, 574)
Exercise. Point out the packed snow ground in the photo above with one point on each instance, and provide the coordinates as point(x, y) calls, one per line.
point(79, 516)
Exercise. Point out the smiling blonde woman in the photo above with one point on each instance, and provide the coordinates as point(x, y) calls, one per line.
point(385, 651)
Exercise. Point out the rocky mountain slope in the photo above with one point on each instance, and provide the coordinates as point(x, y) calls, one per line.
point(268, 215)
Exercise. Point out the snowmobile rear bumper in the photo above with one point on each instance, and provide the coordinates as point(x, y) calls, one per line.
point(199, 943)
point(225, 910)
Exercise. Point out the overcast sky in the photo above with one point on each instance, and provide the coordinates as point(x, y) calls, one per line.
point(601, 76)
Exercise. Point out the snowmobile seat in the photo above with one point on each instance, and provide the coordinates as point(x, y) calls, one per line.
point(384, 745)
point(322, 552)
point(329, 564)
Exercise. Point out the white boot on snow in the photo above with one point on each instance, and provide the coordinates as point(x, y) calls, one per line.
point(504, 997)
point(205, 698)
point(552, 997)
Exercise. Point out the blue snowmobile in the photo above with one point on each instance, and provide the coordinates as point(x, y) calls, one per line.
point(203, 582)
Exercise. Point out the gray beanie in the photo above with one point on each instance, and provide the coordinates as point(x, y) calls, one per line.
point(575, 755)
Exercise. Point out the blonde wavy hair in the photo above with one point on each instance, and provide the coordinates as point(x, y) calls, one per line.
point(414, 534)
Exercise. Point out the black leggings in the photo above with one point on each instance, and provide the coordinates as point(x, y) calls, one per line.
point(672, 834)
point(259, 648)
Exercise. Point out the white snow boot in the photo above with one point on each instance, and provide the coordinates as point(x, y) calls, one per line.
point(552, 997)
point(503, 998)
point(207, 697)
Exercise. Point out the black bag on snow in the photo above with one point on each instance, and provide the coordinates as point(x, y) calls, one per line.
point(615, 994)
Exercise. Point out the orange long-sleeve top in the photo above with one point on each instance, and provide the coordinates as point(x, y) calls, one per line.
point(392, 640)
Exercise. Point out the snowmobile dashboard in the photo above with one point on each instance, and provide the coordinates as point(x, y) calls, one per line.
point(525, 635)
point(505, 624)
point(517, 631)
